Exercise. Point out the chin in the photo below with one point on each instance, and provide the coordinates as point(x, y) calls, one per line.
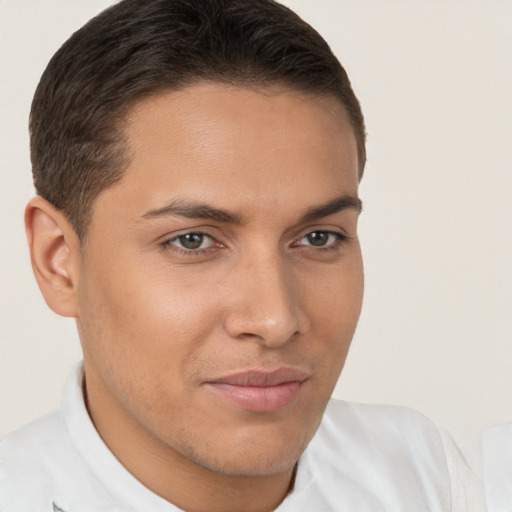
point(262, 454)
point(258, 466)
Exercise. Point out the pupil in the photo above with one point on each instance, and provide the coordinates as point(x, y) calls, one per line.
point(191, 240)
point(318, 238)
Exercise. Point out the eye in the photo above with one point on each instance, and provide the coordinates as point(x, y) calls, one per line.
point(192, 241)
point(324, 239)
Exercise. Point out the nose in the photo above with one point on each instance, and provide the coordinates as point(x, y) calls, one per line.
point(265, 304)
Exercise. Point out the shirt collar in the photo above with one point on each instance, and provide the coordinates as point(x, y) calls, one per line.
point(119, 483)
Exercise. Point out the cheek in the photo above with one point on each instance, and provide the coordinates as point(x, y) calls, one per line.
point(139, 323)
point(334, 305)
point(334, 296)
point(144, 338)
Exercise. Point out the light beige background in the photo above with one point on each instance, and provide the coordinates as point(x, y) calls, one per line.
point(435, 82)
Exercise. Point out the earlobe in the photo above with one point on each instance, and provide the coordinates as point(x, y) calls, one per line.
point(54, 255)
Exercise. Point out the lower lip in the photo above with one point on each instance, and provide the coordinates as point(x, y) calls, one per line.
point(259, 399)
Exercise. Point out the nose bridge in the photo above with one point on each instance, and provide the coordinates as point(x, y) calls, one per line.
point(267, 301)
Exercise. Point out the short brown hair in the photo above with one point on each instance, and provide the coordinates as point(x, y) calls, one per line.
point(141, 47)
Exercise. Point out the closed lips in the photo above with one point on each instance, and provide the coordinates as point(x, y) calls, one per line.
point(259, 378)
point(261, 391)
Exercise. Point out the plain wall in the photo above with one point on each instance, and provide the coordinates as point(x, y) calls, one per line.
point(435, 80)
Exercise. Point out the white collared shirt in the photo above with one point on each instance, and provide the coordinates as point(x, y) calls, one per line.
point(363, 458)
point(497, 456)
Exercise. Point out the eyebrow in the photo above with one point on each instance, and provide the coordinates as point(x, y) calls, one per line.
point(333, 206)
point(193, 210)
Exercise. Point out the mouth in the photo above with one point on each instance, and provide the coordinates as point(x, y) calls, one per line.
point(260, 390)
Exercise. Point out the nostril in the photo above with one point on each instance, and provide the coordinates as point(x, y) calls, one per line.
point(269, 332)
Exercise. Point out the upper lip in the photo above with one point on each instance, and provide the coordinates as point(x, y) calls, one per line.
point(262, 378)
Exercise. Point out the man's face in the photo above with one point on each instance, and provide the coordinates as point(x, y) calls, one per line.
point(221, 280)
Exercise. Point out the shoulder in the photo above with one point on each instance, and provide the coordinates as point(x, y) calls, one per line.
point(497, 458)
point(26, 457)
point(392, 455)
point(38, 466)
point(22, 449)
point(386, 416)
point(30, 458)
point(390, 423)
point(497, 442)
point(393, 438)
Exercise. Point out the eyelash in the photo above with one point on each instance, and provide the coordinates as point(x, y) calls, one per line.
point(168, 245)
point(340, 238)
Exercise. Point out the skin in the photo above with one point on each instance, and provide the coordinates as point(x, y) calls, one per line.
point(159, 322)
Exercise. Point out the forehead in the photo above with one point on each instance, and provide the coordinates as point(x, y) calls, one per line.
point(217, 119)
point(237, 146)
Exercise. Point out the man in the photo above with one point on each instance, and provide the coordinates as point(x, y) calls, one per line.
point(197, 166)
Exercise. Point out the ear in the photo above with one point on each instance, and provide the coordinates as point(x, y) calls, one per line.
point(54, 254)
